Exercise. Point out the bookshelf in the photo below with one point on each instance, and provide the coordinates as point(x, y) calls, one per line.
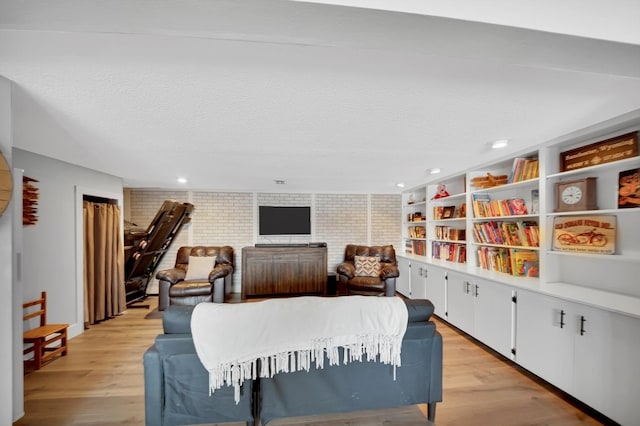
point(518, 285)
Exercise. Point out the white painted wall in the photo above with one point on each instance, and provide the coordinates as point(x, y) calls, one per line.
point(7, 302)
point(49, 256)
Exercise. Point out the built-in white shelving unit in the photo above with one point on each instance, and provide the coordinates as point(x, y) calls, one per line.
point(551, 300)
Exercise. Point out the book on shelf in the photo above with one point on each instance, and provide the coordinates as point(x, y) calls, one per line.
point(523, 169)
point(462, 211)
point(516, 262)
point(452, 252)
point(415, 217)
point(485, 207)
point(418, 247)
point(518, 233)
point(524, 262)
point(443, 232)
point(416, 231)
point(408, 247)
point(457, 234)
point(494, 259)
point(478, 200)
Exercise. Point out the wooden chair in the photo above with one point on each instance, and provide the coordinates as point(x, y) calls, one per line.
point(40, 338)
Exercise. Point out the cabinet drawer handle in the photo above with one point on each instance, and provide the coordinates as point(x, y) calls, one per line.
point(466, 288)
point(477, 292)
point(582, 321)
point(562, 319)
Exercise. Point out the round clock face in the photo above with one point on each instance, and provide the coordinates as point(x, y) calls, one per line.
point(571, 195)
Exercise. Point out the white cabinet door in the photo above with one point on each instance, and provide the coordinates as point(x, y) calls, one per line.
point(460, 301)
point(419, 280)
point(403, 282)
point(493, 315)
point(436, 289)
point(588, 352)
point(544, 340)
point(592, 355)
point(623, 369)
point(606, 368)
point(418, 272)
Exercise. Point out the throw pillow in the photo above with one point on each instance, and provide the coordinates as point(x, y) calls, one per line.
point(367, 266)
point(200, 267)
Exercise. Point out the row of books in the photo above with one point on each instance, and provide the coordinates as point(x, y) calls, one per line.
point(417, 232)
point(453, 252)
point(523, 169)
point(518, 233)
point(484, 206)
point(448, 233)
point(415, 247)
point(519, 263)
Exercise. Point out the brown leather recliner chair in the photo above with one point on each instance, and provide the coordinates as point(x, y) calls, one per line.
point(175, 290)
point(379, 283)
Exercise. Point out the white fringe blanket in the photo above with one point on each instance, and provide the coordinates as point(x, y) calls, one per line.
point(292, 334)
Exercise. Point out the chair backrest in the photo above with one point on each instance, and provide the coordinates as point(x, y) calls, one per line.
point(41, 312)
point(223, 254)
point(387, 254)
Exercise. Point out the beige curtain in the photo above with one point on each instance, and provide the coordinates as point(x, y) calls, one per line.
point(104, 291)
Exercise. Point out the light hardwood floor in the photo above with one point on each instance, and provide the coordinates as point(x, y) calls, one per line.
point(100, 382)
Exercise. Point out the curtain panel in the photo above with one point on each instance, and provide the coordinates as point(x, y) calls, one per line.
point(104, 292)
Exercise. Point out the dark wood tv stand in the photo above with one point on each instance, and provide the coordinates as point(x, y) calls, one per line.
point(271, 271)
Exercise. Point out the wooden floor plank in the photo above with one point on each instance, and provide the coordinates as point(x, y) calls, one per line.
point(100, 382)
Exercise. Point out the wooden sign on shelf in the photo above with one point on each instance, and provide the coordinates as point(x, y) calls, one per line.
point(585, 234)
point(606, 151)
point(629, 189)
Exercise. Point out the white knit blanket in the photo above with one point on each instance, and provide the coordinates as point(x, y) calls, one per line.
point(293, 334)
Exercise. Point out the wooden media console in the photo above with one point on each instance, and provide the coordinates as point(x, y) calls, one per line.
point(281, 271)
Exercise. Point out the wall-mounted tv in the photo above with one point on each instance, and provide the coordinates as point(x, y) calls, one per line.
point(277, 220)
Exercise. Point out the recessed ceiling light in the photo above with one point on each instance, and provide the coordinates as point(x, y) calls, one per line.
point(279, 182)
point(182, 180)
point(434, 171)
point(501, 143)
point(400, 184)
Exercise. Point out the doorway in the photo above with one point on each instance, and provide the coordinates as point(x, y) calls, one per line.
point(80, 240)
point(104, 293)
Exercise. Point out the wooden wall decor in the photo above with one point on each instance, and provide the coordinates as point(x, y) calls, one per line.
point(6, 184)
point(29, 201)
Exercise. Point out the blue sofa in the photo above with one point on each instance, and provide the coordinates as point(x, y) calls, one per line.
point(176, 383)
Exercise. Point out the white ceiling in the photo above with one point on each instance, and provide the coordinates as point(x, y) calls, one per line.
point(236, 94)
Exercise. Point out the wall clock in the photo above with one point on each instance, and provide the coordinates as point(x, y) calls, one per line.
point(6, 184)
point(576, 195)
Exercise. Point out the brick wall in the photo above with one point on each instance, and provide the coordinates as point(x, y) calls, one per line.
point(221, 218)
point(386, 226)
point(224, 219)
point(341, 219)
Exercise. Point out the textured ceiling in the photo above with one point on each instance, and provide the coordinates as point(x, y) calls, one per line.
point(236, 94)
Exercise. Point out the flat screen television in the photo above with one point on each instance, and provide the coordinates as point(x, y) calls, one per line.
point(277, 220)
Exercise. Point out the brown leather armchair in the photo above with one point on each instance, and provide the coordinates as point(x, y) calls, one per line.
point(174, 289)
point(382, 283)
